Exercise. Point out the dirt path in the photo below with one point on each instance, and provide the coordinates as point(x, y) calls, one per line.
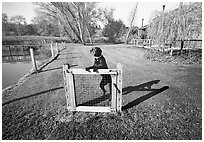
point(165, 98)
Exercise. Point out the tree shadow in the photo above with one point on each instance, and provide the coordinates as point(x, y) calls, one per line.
point(32, 95)
point(50, 69)
point(49, 62)
point(66, 58)
point(39, 71)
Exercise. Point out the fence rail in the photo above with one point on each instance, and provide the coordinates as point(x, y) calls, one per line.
point(29, 48)
point(70, 86)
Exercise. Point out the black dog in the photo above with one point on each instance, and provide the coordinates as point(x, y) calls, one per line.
point(100, 63)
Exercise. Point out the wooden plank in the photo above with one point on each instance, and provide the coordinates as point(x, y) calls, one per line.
point(52, 50)
point(119, 85)
point(113, 92)
point(93, 109)
point(56, 47)
point(33, 59)
point(66, 84)
point(99, 71)
point(72, 91)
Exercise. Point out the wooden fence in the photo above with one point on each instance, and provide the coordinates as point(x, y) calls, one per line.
point(170, 47)
point(54, 47)
point(142, 42)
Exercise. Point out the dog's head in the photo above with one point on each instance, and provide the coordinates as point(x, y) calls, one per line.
point(96, 51)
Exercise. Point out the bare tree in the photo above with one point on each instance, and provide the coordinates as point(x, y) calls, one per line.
point(133, 17)
point(75, 17)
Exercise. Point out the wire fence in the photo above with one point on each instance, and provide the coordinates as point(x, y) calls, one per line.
point(88, 90)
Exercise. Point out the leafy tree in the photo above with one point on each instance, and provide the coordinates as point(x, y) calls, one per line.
point(113, 30)
point(4, 18)
point(4, 23)
point(46, 26)
point(31, 29)
point(105, 15)
point(182, 23)
point(18, 20)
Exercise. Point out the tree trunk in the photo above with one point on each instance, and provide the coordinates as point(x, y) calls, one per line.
point(133, 17)
point(90, 37)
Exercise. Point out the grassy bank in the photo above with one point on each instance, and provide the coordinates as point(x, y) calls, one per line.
point(186, 57)
point(34, 38)
point(168, 110)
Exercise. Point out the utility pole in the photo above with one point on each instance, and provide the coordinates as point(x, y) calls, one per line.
point(162, 31)
point(142, 22)
point(180, 24)
point(163, 7)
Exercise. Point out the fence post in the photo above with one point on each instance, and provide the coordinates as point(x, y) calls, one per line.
point(9, 50)
point(52, 51)
point(64, 45)
point(149, 42)
point(171, 50)
point(133, 41)
point(33, 59)
point(119, 83)
point(56, 45)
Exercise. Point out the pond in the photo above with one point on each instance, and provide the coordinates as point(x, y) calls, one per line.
point(17, 63)
point(12, 72)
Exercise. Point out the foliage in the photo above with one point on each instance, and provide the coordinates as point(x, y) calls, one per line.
point(4, 18)
point(18, 20)
point(113, 30)
point(35, 39)
point(105, 15)
point(16, 25)
point(178, 24)
point(78, 21)
point(186, 57)
point(47, 26)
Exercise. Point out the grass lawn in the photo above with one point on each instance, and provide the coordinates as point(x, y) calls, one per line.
point(161, 101)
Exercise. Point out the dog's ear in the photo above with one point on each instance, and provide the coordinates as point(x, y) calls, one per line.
point(92, 51)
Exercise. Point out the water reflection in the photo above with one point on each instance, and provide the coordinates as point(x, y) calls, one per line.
point(17, 62)
point(12, 72)
point(17, 54)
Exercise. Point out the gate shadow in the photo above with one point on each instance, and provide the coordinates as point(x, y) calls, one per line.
point(32, 95)
point(142, 87)
point(96, 100)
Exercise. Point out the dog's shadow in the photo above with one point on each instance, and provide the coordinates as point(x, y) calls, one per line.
point(142, 87)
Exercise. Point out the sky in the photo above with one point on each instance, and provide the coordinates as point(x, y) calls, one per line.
point(122, 10)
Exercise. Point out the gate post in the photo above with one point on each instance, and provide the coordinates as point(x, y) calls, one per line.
point(52, 50)
point(69, 88)
point(119, 92)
